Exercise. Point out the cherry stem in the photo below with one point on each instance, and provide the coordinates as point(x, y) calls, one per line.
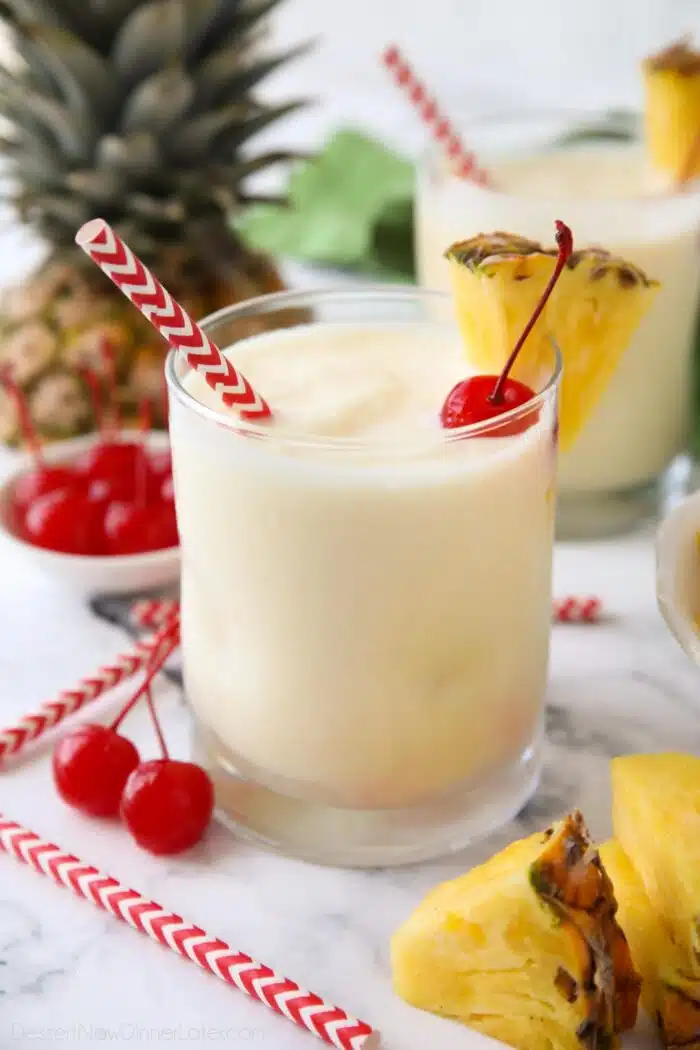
point(25, 419)
point(93, 382)
point(167, 641)
point(156, 723)
point(110, 366)
point(565, 246)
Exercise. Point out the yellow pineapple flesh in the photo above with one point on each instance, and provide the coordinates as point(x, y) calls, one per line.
point(525, 948)
point(672, 110)
point(656, 819)
point(592, 313)
point(669, 996)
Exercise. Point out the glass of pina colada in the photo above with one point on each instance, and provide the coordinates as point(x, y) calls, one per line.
point(366, 576)
point(618, 190)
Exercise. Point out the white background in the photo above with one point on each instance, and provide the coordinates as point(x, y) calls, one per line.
point(476, 54)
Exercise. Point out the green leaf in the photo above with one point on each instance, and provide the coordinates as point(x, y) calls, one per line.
point(349, 207)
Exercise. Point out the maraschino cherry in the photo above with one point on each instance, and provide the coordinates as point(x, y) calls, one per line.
point(44, 477)
point(90, 768)
point(145, 522)
point(110, 465)
point(166, 804)
point(92, 763)
point(481, 398)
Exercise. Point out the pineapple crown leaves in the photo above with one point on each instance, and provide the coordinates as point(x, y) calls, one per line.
point(139, 109)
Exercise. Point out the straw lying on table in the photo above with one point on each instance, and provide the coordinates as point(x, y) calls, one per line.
point(462, 160)
point(137, 283)
point(48, 715)
point(327, 1022)
point(154, 612)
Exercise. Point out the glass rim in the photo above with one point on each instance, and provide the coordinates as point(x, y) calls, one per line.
point(433, 151)
point(291, 299)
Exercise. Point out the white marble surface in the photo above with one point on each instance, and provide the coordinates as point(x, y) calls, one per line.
point(71, 975)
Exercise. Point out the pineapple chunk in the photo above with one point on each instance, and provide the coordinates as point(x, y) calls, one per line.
point(656, 818)
point(672, 109)
point(592, 313)
point(524, 948)
point(671, 998)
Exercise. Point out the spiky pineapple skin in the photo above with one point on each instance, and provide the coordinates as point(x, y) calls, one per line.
point(57, 324)
point(524, 948)
point(142, 111)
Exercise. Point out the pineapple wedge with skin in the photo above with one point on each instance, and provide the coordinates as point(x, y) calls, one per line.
point(524, 948)
point(672, 109)
point(670, 997)
point(597, 304)
point(656, 819)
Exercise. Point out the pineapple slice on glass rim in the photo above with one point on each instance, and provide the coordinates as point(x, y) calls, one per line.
point(592, 313)
point(525, 948)
point(672, 109)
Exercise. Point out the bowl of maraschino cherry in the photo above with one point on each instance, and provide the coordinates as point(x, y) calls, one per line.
point(97, 512)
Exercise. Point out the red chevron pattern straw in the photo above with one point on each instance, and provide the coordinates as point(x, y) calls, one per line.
point(15, 738)
point(327, 1022)
point(577, 610)
point(153, 612)
point(463, 161)
point(118, 262)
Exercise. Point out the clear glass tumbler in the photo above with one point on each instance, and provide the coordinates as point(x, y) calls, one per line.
point(365, 623)
point(551, 166)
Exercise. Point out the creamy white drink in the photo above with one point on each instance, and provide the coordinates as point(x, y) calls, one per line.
point(365, 596)
point(608, 195)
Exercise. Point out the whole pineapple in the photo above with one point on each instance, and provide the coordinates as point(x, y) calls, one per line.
point(140, 111)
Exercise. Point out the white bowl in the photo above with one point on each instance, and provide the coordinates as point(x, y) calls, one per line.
point(121, 574)
point(678, 573)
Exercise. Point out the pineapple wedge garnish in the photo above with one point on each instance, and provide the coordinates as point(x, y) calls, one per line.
point(656, 819)
point(669, 996)
point(672, 109)
point(525, 948)
point(592, 313)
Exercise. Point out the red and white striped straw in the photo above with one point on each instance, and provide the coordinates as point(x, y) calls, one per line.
point(29, 729)
point(577, 610)
point(463, 161)
point(118, 262)
point(154, 612)
point(327, 1022)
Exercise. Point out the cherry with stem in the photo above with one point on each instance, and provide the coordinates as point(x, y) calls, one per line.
point(166, 804)
point(92, 763)
point(483, 397)
point(44, 477)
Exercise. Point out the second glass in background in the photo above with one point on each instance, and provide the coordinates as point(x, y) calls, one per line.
point(612, 478)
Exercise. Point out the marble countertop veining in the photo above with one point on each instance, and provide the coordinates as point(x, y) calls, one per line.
point(70, 973)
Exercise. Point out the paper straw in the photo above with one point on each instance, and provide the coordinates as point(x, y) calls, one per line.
point(155, 612)
point(463, 161)
point(577, 610)
point(118, 262)
point(16, 738)
point(327, 1022)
